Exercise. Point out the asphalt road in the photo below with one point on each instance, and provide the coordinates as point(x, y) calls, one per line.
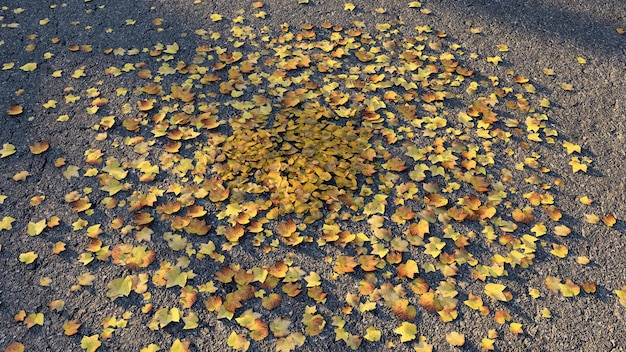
point(75, 37)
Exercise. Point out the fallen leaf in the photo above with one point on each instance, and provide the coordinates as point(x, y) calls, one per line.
point(407, 331)
point(455, 339)
point(90, 343)
point(14, 110)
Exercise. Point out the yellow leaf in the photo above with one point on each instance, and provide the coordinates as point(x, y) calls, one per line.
point(577, 165)
point(571, 147)
point(581, 60)
point(21, 176)
point(503, 47)
point(6, 223)
point(150, 348)
point(567, 86)
point(28, 257)
point(496, 291)
point(7, 149)
point(238, 342)
point(408, 269)
point(90, 343)
point(545, 313)
point(474, 302)
point(35, 229)
point(487, 344)
point(119, 287)
point(179, 346)
point(516, 328)
point(621, 294)
point(171, 48)
point(562, 230)
point(534, 293)
point(371, 334)
point(494, 59)
point(31, 66)
point(415, 4)
point(50, 104)
point(34, 319)
point(407, 331)
point(367, 306)
point(559, 250)
point(216, 17)
point(455, 339)
point(423, 346)
point(349, 6)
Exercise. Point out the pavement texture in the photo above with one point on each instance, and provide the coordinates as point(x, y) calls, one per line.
point(312, 175)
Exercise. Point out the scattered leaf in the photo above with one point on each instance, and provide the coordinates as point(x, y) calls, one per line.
point(14, 110)
point(90, 343)
point(70, 327)
point(455, 339)
point(407, 331)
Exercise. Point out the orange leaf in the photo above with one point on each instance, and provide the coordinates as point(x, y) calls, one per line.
point(182, 94)
point(559, 250)
point(15, 347)
point(271, 301)
point(233, 234)
point(180, 346)
point(145, 105)
point(39, 147)
point(524, 216)
point(15, 110)
point(435, 200)
point(609, 220)
point(430, 302)
point(502, 316)
point(403, 310)
point(238, 342)
point(344, 264)
point(70, 327)
point(589, 287)
point(455, 339)
point(408, 269)
point(286, 228)
point(420, 228)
